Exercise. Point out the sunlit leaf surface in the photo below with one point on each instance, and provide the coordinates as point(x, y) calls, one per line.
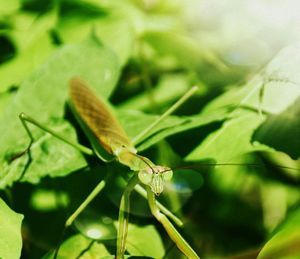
point(140, 57)
point(284, 243)
point(80, 246)
point(50, 85)
point(10, 231)
point(139, 245)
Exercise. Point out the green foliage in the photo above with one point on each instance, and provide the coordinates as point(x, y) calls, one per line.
point(70, 60)
point(142, 57)
point(285, 241)
point(285, 124)
point(77, 246)
point(30, 34)
point(10, 231)
point(138, 241)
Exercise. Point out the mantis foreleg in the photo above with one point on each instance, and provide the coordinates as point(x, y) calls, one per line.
point(124, 217)
point(139, 189)
point(182, 245)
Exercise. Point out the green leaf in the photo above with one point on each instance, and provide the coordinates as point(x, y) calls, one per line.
point(14, 71)
point(161, 93)
point(135, 122)
point(80, 246)
point(117, 33)
point(78, 15)
point(144, 241)
point(43, 96)
point(183, 49)
point(111, 25)
point(282, 131)
point(272, 91)
point(33, 43)
point(5, 99)
point(230, 141)
point(10, 232)
point(285, 242)
point(8, 7)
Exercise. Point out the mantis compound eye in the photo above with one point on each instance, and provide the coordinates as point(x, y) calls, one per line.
point(145, 176)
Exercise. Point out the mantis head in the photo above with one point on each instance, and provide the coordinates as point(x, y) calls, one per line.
point(155, 177)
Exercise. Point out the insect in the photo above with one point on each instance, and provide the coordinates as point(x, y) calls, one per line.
point(110, 142)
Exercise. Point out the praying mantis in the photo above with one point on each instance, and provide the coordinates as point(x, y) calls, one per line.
point(109, 142)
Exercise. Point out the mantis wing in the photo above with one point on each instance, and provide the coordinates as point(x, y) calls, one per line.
point(97, 121)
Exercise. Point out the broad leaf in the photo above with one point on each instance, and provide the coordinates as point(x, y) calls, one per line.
point(282, 131)
point(135, 122)
point(272, 91)
point(79, 246)
point(231, 140)
point(285, 243)
point(10, 232)
point(33, 44)
point(43, 96)
point(111, 25)
point(185, 50)
point(144, 241)
point(9, 7)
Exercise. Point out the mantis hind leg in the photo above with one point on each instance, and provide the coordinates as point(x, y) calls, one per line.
point(25, 120)
point(180, 242)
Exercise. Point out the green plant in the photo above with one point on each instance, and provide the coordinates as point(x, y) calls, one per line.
point(142, 61)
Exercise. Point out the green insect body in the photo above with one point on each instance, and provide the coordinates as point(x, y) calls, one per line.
point(109, 139)
point(110, 142)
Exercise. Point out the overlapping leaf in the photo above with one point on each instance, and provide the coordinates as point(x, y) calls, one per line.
point(43, 96)
point(110, 23)
point(138, 241)
point(10, 232)
point(31, 35)
point(80, 246)
point(285, 241)
point(271, 91)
